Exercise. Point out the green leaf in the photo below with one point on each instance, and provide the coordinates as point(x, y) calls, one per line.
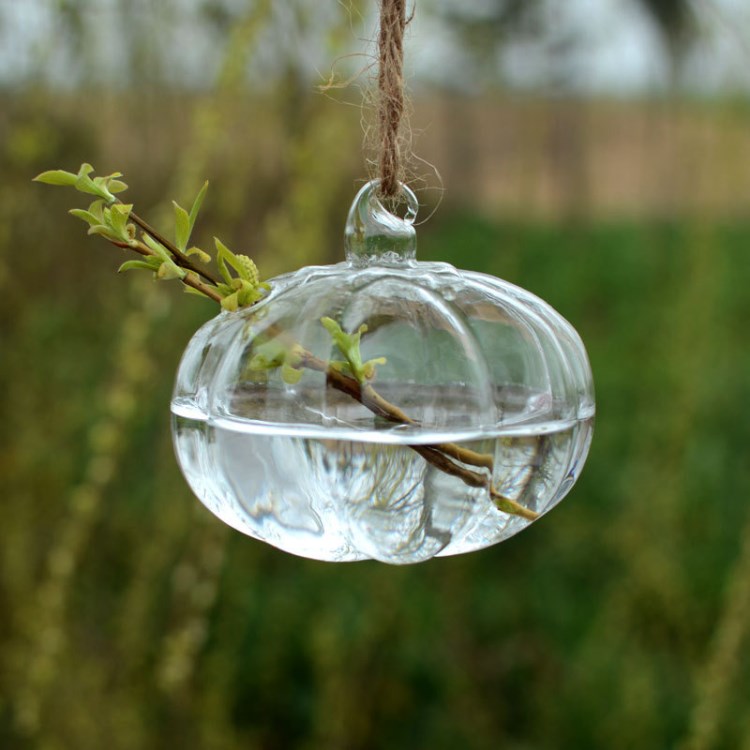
point(197, 203)
point(368, 369)
point(181, 226)
point(348, 344)
point(116, 186)
point(331, 326)
point(119, 215)
point(157, 247)
point(230, 303)
point(97, 209)
point(246, 281)
point(339, 366)
point(87, 216)
point(97, 186)
point(268, 355)
point(141, 265)
point(103, 231)
point(290, 374)
point(223, 256)
point(85, 184)
point(248, 294)
point(57, 177)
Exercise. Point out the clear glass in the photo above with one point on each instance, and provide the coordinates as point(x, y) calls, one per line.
point(479, 420)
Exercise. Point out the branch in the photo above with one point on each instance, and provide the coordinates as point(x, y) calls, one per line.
point(109, 217)
point(190, 279)
point(179, 257)
point(439, 455)
point(370, 398)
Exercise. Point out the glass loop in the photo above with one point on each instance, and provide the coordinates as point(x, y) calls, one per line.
point(376, 236)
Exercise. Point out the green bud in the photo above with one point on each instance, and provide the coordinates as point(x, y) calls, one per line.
point(203, 256)
point(349, 345)
point(247, 269)
point(289, 374)
point(368, 369)
point(230, 303)
point(170, 270)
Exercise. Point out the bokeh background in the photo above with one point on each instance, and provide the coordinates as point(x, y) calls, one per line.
point(597, 154)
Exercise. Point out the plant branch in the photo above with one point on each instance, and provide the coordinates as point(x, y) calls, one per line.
point(393, 414)
point(370, 398)
point(179, 257)
point(190, 279)
point(242, 289)
point(439, 455)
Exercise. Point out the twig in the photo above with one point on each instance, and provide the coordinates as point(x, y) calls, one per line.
point(370, 398)
point(190, 279)
point(179, 257)
point(439, 455)
point(393, 414)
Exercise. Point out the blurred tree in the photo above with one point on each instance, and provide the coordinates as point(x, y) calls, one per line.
point(676, 22)
point(482, 29)
point(139, 31)
point(215, 13)
point(72, 26)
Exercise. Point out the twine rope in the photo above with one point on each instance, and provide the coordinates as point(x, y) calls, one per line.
point(391, 94)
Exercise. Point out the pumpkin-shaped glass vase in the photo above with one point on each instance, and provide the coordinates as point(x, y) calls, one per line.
point(382, 407)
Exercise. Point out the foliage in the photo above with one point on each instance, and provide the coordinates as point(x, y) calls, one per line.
point(348, 345)
point(241, 285)
point(110, 219)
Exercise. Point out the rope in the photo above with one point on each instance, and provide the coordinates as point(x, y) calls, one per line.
point(391, 93)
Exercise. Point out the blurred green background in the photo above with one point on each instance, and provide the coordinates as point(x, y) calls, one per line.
point(132, 618)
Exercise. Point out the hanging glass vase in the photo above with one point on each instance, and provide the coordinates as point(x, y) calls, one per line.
point(384, 407)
